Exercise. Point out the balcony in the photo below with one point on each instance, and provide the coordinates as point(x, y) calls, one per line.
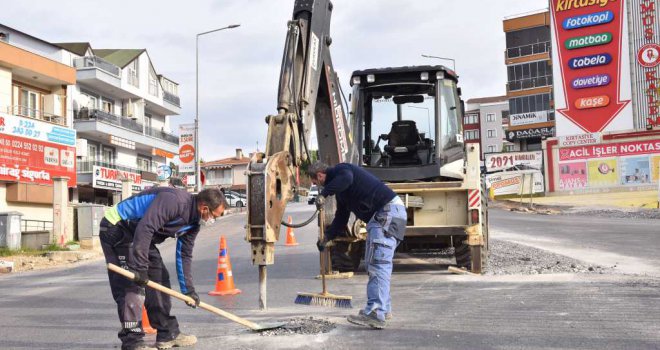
point(99, 63)
point(84, 166)
point(97, 73)
point(153, 132)
point(96, 114)
point(171, 98)
point(528, 50)
point(530, 83)
point(38, 114)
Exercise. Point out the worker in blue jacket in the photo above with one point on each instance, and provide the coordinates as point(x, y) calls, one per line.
point(361, 193)
point(129, 233)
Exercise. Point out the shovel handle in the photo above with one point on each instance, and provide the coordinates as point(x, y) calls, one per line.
point(116, 269)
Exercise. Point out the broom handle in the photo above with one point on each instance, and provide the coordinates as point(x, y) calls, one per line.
point(180, 296)
point(322, 254)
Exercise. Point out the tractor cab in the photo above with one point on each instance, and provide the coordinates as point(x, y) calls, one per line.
point(407, 122)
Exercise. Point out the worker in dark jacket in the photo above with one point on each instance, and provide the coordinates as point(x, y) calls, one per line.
point(129, 234)
point(361, 193)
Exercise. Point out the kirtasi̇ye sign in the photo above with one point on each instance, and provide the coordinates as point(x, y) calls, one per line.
point(513, 135)
point(579, 140)
point(645, 29)
point(33, 151)
point(593, 85)
point(110, 179)
point(187, 148)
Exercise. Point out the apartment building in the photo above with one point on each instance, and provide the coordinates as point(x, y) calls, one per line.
point(529, 86)
point(228, 173)
point(121, 108)
point(37, 141)
point(488, 118)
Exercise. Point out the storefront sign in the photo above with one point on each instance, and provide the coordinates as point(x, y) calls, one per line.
point(110, 179)
point(645, 27)
point(187, 148)
point(515, 182)
point(33, 161)
point(528, 118)
point(163, 172)
point(513, 135)
point(591, 81)
point(579, 140)
point(572, 176)
point(590, 71)
point(590, 61)
point(36, 130)
point(161, 153)
point(502, 161)
point(588, 20)
point(588, 41)
point(610, 150)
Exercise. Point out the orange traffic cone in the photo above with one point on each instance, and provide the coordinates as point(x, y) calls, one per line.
point(224, 281)
point(146, 326)
point(290, 237)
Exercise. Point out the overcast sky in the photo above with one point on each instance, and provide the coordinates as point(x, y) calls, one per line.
point(239, 68)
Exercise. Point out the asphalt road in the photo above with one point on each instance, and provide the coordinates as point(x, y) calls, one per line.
point(72, 308)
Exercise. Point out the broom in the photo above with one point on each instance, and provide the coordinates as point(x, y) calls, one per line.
point(324, 298)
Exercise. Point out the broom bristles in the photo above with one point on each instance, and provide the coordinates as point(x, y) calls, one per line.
point(326, 300)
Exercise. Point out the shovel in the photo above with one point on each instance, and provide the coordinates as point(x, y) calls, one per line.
point(249, 324)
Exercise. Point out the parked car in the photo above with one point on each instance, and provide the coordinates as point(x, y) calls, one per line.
point(235, 200)
point(313, 193)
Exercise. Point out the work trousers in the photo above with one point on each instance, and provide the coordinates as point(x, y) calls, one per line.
point(384, 230)
point(117, 243)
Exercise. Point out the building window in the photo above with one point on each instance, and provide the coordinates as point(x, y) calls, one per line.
point(29, 103)
point(471, 119)
point(531, 103)
point(107, 155)
point(490, 117)
point(133, 73)
point(153, 83)
point(471, 134)
point(492, 133)
point(529, 75)
point(106, 106)
point(491, 149)
point(144, 163)
point(509, 148)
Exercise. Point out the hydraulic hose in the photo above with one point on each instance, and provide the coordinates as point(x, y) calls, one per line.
point(305, 223)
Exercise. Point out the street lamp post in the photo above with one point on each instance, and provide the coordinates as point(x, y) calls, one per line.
point(198, 172)
point(453, 61)
point(428, 117)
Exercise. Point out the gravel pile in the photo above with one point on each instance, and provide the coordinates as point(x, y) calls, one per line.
point(507, 258)
point(308, 325)
point(616, 213)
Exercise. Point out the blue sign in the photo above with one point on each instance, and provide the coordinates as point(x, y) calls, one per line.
point(600, 59)
point(164, 172)
point(591, 81)
point(592, 19)
point(62, 135)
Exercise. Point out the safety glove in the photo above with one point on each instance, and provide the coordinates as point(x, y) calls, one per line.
point(193, 295)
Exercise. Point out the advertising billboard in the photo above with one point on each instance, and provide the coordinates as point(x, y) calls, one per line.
point(187, 148)
point(502, 161)
point(110, 179)
point(591, 66)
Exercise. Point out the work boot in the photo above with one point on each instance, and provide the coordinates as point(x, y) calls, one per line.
point(181, 340)
point(369, 320)
point(142, 346)
point(388, 315)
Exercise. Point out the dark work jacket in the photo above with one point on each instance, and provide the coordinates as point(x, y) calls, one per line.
point(356, 191)
point(161, 213)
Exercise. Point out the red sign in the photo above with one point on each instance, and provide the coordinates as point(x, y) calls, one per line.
point(564, 12)
point(610, 150)
point(648, 55)
point(187, 153)
point(32, 161)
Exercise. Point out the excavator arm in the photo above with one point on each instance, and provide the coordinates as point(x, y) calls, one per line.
point(309, 91)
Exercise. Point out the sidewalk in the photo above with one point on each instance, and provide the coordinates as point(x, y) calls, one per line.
point(636, 199)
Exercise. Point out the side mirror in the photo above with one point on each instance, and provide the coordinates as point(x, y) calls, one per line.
point(384, 137)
